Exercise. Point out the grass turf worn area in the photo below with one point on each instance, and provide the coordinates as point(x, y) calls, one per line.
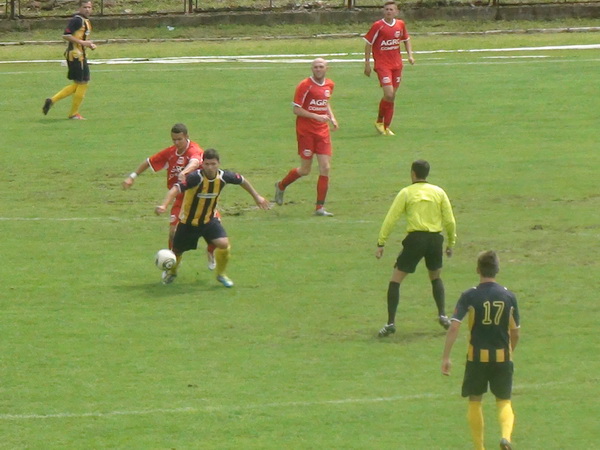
point(96, 353)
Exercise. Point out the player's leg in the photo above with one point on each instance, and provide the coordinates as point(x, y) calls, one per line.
point(387, 101)
point(183, 240)
point(210, 248)
point(433, 261)
point(174, 218)
point(78, 97)
point(476, 421)
point(306, 152)
point(215, 234)
point(474, 386)
point(324, 161)
point(501, 386)
point(81, 76)
point(389, 98)
point(406, 263)
point(63, 93)
point(393, 300)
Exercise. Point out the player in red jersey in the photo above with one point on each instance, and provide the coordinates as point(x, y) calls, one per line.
point(383, 40)
point(180, 159)
point(313, 116)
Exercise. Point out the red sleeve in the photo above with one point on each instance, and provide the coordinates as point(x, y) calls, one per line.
point(160, 160)
point(405, 36)
point(195, 152)
point(372, 33)
point(301, 92)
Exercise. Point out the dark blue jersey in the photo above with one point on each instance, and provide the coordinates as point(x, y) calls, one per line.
point(492, 311)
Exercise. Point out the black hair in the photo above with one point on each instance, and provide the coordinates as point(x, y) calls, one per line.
point(421, 168)
point(179, 128)
point(211, 153)
point(488, 264)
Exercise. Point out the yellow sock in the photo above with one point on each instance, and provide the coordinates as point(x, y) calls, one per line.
point(506, 417)
point(78, 98)
point(64, 92)
point(475, 418)
point(222, 258)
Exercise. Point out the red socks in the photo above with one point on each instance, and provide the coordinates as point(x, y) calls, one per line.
point(386, 112)
point(322, 186)
point(292, 176)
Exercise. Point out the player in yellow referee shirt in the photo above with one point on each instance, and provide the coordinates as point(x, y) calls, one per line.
point(428, 213)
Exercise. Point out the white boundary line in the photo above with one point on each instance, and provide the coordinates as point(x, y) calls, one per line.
point(209, 409)
point(296, 58)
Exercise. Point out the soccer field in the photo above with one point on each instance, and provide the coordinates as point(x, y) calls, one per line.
point(96, 353)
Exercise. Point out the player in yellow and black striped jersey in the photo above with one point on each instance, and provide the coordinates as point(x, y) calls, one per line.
point(77, 34)
point(494, 321)
point(197, 218)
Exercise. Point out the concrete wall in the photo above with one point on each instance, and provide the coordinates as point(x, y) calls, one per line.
point(537, 12)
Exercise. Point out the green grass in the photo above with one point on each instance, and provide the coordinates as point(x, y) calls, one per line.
point(97, 354)
point(303, 30)
point(124, 7)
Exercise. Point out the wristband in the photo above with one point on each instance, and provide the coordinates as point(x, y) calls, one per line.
point(133, 175)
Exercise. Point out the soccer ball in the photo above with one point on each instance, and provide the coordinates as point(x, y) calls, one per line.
point(165, 259)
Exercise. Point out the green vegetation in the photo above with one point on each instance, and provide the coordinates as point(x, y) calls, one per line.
point(43, 8)
point(96, 353)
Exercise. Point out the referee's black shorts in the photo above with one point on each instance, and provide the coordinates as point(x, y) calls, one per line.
point(418, 245)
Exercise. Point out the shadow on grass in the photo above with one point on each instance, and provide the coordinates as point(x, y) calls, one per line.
point(407, 337)
point(178, 288)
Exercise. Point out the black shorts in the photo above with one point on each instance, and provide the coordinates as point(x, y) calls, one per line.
point(417, 245)
point(187, 236)
point(498, 375)
point(79, 71)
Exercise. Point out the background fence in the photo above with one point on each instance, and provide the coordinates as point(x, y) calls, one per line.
point(20, 9)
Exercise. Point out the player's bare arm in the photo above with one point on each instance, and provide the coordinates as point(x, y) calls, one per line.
point(514, 338)
point(450, 340)
point(332, 118)
point(259, 199)
point(379, 252)
point(409, 52)
point(324, 118)
point(367, 70)
point(128, 182)
point(194, 164)
point(74, 40)
point(160, 209)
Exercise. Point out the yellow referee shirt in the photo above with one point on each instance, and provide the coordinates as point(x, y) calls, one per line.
point(427, 208)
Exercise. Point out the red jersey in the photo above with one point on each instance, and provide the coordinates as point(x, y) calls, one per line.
point(313, 97)
point(174, 163)
point(385, 41)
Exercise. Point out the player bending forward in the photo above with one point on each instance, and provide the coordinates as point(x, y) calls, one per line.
point(197, 219)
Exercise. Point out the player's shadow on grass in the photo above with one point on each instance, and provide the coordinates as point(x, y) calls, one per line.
point(408, 337)
point(157, 290)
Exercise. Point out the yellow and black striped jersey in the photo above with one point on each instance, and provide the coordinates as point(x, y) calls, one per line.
point(493, 312)
point(79, 27)
point(202, 194)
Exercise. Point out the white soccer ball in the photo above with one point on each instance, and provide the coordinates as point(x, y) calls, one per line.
point(165, 259)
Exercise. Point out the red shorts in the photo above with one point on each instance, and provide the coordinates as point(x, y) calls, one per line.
point(389, 77)
point(176, 209)
point(311, 144)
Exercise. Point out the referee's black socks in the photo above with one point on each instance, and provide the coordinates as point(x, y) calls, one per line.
point(439, 295)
